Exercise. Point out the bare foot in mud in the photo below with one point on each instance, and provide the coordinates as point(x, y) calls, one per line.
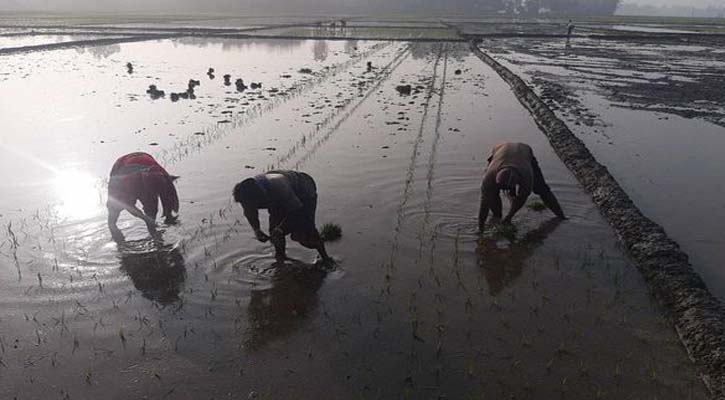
point(281, 257)
point(328, 263)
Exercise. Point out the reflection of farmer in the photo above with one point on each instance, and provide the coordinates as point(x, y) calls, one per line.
point(570, 28)
point(513, 168)
point(291, 199)
point(158, 272)
point(138, 177)
point(280, 310)
point(503, 265)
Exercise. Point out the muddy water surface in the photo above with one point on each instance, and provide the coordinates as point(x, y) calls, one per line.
point(418, 306)
point(651, 112)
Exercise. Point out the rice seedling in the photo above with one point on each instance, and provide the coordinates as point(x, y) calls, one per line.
point(122, 336)
point(536, 205)
point(507, 231)
point(331, 232)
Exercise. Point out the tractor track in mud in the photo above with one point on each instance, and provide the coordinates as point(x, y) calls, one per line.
point(696, 315)
point(343, 113)
point(410, 173)
point(194, 143)
point(432, 158)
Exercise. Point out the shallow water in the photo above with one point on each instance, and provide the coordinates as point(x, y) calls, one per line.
point(652, 114)
point(418, 306)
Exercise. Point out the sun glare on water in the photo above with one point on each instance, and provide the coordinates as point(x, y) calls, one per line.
point(77, 195)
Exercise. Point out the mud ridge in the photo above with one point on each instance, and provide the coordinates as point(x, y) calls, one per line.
point(697, 316)
point(81, 43)
point(345, 38)
point(597, 36)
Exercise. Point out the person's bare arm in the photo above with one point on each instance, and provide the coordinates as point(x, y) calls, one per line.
point(490, 201)
point(482, 212)
point(517, 203)
point(252, 215)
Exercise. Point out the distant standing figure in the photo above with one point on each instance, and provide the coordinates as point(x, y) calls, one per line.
point(570, 28)
point(138, 177)
point(513, 168)
point(290, 197)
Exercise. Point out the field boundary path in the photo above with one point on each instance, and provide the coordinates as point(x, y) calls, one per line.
point(697, 316)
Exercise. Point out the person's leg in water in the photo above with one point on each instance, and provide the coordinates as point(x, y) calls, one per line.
point(113, 214)
point(305, 232)
point(277, 233)
point(542, 189)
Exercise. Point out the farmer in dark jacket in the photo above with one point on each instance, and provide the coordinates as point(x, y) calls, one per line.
point(290, 197)
point(138, 177)
point(513, 168)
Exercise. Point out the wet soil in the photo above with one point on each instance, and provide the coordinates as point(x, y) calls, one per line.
point(419, 304)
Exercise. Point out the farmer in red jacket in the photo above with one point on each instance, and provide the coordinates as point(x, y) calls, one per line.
point(138, 177)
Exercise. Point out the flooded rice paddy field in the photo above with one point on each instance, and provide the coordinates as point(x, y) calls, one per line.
point(418, 306)
point(652, 112)
point(367, 32)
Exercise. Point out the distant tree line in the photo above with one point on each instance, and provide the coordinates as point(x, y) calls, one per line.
point(569, 7)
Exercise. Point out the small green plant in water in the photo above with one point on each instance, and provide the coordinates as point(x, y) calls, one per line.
point(507, 231)
point(536, 206)
point(331, 232)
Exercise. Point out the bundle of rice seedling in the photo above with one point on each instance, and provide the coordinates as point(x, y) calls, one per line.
point(330, 232)
point(507, 231)
point(536, 206)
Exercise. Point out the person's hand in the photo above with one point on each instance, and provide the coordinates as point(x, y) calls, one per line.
point(507, 220)
point(261, 236)
point(495, 221)
point(171, 219)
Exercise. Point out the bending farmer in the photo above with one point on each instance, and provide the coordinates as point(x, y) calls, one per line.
point(513, 168)
point(138, 177)
point(291, 199)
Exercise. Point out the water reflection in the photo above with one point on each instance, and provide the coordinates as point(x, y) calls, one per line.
point(321, 50)
point(156, 269)
point(77, 193)
point(351, 47)
point(503, 265)
point(282, 309)
point(99, 52)
point(270, 45)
